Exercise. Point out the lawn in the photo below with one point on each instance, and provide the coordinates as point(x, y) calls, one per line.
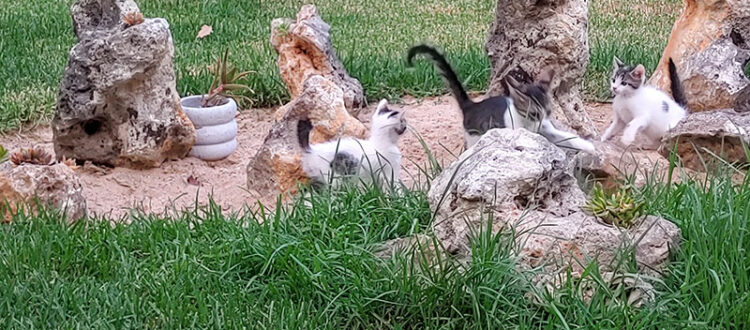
point(312, 265)
point(371, 40)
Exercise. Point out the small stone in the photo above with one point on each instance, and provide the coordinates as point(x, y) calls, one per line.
point(118, 104)
point(52, 185)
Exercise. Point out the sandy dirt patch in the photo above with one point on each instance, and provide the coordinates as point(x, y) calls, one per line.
point(115, 191)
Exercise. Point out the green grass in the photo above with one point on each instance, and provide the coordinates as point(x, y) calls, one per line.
point(371, 40)
point(312, 265)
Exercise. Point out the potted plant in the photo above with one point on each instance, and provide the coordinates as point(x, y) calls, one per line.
point(213, 114)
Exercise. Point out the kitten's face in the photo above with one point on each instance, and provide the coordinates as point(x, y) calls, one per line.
point(532, 101)
point(387, 120)
point(626, 79)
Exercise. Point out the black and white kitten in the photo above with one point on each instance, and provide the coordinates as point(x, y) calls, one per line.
point(351, 159)
point(527, 106)
point(640, 109)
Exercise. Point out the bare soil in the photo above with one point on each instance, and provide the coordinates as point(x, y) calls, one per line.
point(114, 192)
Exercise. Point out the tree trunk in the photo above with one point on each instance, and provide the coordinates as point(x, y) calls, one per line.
point(529, 36)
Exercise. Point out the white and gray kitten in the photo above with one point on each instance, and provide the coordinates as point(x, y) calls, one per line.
point(642, 110)
point(349, 159)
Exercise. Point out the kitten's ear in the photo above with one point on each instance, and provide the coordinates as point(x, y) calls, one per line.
point(512, 83)
point(616, 63)
point(639, 72)
point(545, 79)
point(518, 97)
point(382, 107)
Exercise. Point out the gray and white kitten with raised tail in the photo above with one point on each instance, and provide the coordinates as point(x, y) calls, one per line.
point(527, 106)
point(642, 110)
point(349, 160)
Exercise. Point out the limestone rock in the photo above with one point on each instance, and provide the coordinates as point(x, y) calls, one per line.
point(612, 165)
point(305, 49)
point(523, 182)
point(118, 104)
point(742, 102)
point(277, 167)
point(9, 199)
point(528, 36)
point(53, 185)
point(703, 136)
point(710, 44)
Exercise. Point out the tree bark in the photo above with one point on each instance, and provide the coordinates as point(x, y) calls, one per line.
point(528, 36)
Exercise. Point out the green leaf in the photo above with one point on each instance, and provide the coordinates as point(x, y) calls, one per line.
point(224, 66)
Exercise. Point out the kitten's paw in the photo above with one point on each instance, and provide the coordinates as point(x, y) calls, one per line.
point(587, 147)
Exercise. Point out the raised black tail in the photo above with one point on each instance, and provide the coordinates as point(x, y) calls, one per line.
point(676, 85)
point(450, 76)
point(303, 133)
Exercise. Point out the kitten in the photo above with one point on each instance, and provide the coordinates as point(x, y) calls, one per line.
point(352, 159)
point(642, 109)
point(526, 107)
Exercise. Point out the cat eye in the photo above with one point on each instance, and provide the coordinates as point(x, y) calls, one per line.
point(624, 83)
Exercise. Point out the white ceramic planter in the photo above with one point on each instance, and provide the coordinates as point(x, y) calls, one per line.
point(215, 128)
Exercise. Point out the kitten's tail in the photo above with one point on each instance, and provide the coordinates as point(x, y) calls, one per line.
point(303, 133)
point(677, 92)
point(442, 64)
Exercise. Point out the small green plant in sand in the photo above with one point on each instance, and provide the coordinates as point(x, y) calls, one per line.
point(226, 84)
point(620, 208)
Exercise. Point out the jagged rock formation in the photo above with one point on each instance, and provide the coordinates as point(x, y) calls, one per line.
point(305, 49)
point(118, 104)
point(710, 44)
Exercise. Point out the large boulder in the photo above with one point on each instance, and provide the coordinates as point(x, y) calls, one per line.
point(710, 44)
point(702, 137)
point(277, 166)
point(305, 49)
point(118, 104)
point(529, 36)
point(524, 184)
point(50, 185)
